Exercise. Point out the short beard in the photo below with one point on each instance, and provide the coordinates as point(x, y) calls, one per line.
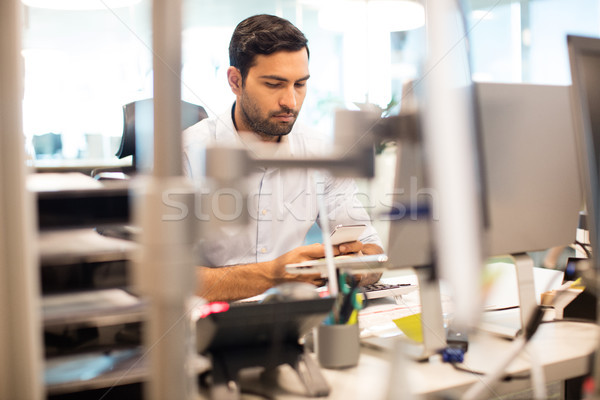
point(262, 126)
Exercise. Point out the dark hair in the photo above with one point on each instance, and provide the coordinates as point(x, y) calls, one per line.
point(262, 34)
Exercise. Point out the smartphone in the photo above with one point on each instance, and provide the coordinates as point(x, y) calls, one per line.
point(346, 233)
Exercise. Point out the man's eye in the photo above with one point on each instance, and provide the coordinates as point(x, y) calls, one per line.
point(300, 84)
point(272, 85)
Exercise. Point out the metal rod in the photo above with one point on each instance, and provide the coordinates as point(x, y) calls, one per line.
point(165, 274)
point(20, 338)
point(166, 46)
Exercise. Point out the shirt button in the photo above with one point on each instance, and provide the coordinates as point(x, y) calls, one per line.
point(263, 250)
point(264, 212)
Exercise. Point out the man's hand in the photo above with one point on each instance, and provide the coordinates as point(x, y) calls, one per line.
point(316, 251)
point(297, 255)
point(306, 253)
point(355, 247)
point(372, 277)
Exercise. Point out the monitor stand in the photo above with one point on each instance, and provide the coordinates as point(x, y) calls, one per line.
point(509, 328)
point(432, 321)
point(526, 286)
point(229, 361)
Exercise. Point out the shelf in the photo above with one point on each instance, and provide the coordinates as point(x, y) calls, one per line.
point(92, 308)
point(95, 370)
point(75, 200)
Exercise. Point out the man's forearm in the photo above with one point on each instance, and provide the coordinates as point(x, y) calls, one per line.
point(233, 283)
point(241, 281)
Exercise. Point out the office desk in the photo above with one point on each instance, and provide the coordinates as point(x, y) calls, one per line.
point(563, 348)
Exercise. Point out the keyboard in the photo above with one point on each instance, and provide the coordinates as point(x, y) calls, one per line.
point(379, 290)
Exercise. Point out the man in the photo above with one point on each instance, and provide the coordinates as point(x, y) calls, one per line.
point(268, 75)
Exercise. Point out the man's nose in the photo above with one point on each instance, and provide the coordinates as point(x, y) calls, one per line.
point(288, 98)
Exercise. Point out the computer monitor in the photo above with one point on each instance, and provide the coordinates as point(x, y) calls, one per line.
point(522, 193)
point(584, 56)
point(531, 171)
point(532, 195)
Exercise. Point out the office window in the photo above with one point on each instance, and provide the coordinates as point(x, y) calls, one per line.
point(83, 65)
point(525, 40)
point(354, 57)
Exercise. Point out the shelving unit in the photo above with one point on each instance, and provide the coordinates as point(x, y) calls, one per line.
point(91, 320)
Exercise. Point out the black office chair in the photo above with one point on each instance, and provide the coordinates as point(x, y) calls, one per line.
point(142, 127)
point(138, 132)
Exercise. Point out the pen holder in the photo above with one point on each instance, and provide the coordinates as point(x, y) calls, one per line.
point(338, 345)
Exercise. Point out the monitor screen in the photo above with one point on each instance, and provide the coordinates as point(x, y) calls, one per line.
point(584, 56)
point(531, 173)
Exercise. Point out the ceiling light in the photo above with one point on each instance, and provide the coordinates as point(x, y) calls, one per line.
point(394, 16)
point(390, 15)
point(79, 4)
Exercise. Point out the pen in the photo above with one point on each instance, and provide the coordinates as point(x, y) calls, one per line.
point(348, 301)
point(353, 317)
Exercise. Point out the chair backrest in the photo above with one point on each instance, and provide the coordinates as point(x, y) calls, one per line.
point(47, 145)
point(138, 122)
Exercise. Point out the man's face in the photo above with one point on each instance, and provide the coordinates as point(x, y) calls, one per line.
point(273, 93)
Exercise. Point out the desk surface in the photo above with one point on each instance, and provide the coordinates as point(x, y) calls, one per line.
point(562, 348)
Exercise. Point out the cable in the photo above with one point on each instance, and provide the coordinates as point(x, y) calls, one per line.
point(505, 378)
point(478, 389)
point(585, 248)
point(460, 368)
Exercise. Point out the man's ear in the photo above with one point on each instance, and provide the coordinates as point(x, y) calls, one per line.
point(234, 77)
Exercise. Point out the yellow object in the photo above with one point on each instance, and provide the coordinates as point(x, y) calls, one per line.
point(353, 317)
point(577, 285)
point(411, 327)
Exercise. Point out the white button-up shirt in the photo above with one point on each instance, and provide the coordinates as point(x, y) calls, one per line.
point(281, 204)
